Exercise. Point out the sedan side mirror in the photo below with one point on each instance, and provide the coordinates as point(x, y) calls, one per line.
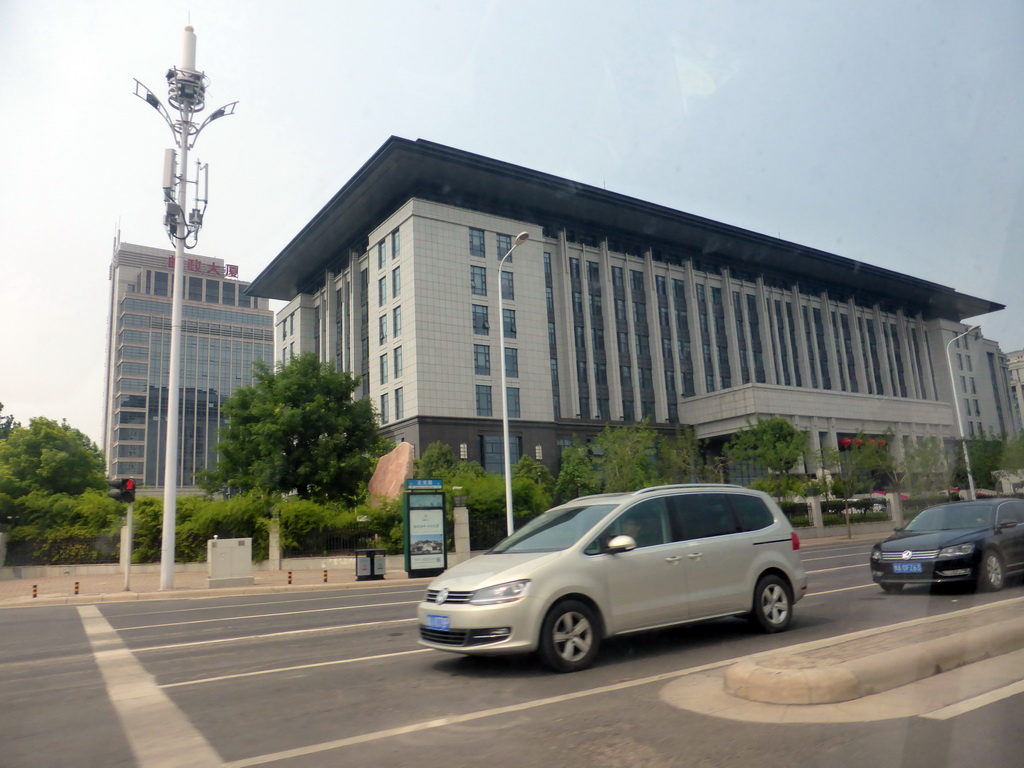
point(621, 543)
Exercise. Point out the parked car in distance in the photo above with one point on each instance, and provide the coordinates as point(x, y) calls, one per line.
point(973, 541)
point(618, 563)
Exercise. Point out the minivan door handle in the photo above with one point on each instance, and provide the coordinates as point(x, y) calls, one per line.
point(673, 559)
point(695, 555)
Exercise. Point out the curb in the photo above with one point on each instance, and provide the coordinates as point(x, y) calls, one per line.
point(798, 679)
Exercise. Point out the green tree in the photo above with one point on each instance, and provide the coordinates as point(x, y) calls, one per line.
point(1012, 464)
point(50, 458)
point(437, 461)
point(925, 462)
point(986, 459)
point(297, 429)
point(7, 424)
point(577, 476)
point(680, 457)
point(626, 454)
point(533, 487)
point(774, 444)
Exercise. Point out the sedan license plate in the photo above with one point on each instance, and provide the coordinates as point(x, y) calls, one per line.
point(907, 568)
point(438, 622)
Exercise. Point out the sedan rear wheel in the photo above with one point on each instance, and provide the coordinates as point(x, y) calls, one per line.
point(569, 637)
point(992, 576)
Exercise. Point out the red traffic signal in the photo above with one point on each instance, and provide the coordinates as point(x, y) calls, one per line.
point(124, 489)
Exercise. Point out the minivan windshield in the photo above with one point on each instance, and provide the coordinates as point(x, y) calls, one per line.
point(555, 530)
point(952, 517)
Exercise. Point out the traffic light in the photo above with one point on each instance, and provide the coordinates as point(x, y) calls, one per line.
point(124, 489)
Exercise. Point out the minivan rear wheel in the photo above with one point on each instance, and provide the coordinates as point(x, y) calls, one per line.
point(569, 637)
point(773, 604)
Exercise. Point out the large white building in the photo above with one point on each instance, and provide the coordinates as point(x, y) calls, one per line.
point(1015, 366)
point(615, 310)
point(225, 331)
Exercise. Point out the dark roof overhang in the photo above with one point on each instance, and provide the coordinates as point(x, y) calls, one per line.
point(402, 169)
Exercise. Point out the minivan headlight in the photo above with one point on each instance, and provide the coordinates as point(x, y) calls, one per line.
point(959, 549)
point(500, 593)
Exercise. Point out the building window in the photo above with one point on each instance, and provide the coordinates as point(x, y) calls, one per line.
point(481, 360)
point(212, 292)
point(395, 247)
point(384, 408)
point(399, 404)
point(550, 298)
point(382, 329)
point(382, 292)
point(476, 242)
point(396, 282)
point(512, 362)
point(617, 277)
point(291, 323)
point(513, 402)
point(636, 280)
point(508, 317)
point(504, 245)
point(228, 294)
point(195, 289)
point(384, 368)
point(382, 254)
point(478, 280)
point(507, 289)
point(398, 362)
point(480, 325)
point(159, 283)
point(396, 317)
point(593, 273)
point(574, 269)
point(483, 400)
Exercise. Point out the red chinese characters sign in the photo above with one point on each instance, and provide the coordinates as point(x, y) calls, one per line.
point(196, 265)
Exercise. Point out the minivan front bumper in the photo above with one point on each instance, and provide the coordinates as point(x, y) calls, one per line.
point(484, 630)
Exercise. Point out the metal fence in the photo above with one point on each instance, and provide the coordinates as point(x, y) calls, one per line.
point(331, 543)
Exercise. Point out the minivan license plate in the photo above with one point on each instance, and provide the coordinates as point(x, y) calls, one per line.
point(906, 568)
point(438, 622)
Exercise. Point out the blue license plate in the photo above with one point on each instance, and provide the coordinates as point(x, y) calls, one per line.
point(907, 568)
point(438, 622)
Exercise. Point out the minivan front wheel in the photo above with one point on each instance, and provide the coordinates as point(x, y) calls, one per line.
point(773, 604)
point(569, 637)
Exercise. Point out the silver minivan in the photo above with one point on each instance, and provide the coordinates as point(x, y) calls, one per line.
point(614, 564)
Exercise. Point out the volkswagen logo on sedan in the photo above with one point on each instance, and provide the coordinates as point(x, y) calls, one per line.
point(907, 554)
point(442, 595)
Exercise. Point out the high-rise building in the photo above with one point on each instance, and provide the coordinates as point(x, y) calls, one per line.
point(224, 332)
point(614, 311)
point(1015, 366)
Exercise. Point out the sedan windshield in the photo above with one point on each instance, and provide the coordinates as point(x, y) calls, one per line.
point(555, 530)
point(952, 517)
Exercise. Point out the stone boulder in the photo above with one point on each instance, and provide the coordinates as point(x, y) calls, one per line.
point(393, 469)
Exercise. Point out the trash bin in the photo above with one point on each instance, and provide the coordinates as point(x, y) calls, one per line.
point(370, 564)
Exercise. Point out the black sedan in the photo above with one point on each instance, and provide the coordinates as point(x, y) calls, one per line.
point(974, 541)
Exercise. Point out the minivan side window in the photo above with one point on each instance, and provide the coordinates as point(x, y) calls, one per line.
point(1011, 510)
point(702, 515)
point(647, 522)
point(751, 512)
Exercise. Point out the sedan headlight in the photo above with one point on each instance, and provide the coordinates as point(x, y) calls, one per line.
point(876, 554)
point(500, 593)
point(959, 549)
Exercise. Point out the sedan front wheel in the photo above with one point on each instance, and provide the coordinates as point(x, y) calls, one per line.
point(992, 576)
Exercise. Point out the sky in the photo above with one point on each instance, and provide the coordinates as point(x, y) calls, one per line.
point(889, 133)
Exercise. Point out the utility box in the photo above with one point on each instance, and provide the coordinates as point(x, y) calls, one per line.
point(229, 562)
point(370, 564)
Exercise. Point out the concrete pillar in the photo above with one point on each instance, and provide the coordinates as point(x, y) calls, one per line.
point(817, 521)
point(895, 509)
point(274, 542)
point(461, 515)
point(3, 548)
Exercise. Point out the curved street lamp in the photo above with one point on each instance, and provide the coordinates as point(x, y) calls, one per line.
point(956, 408)
point(521, 238)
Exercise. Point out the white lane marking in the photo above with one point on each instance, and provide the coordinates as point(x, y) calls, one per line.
point(834, 557)
point(158, 732)
point(839, 568)
point(267, 615)
point(976, 702)
point(468, 717)
point(841, 589)
point(264, 603)
point(292, 669)
point(271, 635)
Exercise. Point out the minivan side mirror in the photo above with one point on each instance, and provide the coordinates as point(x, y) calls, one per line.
point(621, 543)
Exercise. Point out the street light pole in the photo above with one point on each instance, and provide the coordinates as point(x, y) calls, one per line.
point(186, 88)
point(506, 452)
point(956, 409)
